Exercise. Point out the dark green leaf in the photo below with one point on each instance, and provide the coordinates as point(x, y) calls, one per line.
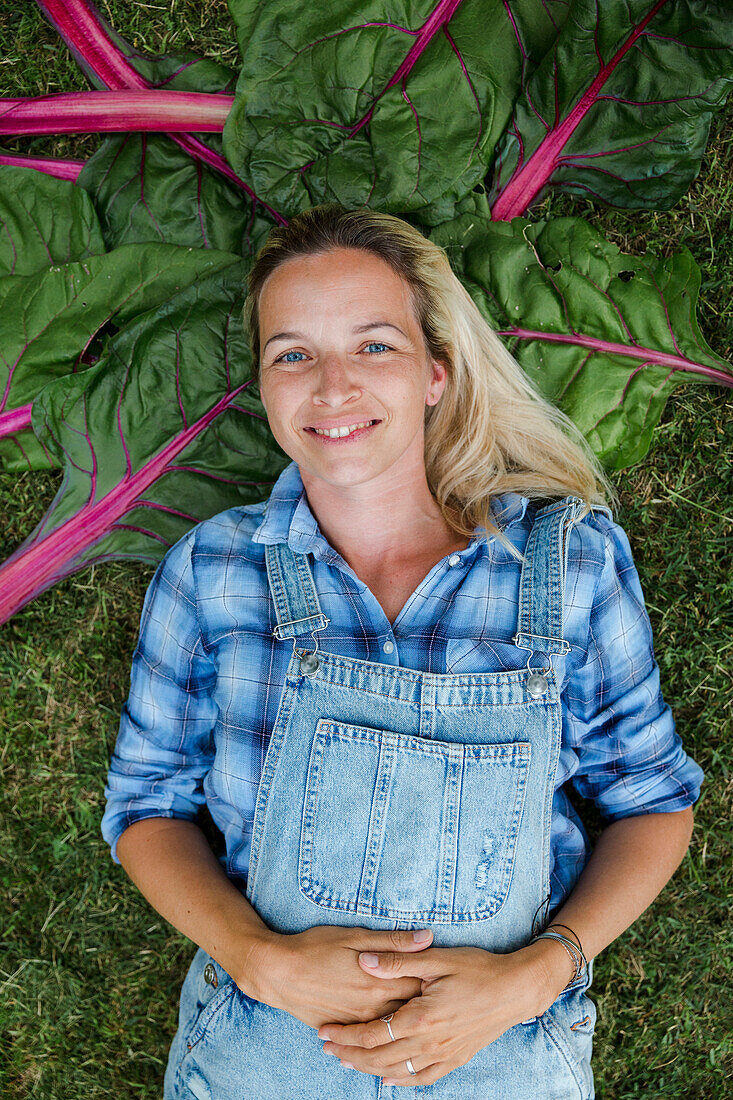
point(604, 336)
point(43, 221)
point(47, 320)
point(391, 106)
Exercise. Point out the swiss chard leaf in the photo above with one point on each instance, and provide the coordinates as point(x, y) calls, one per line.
point(620, 108)
point(163, 432)
point(536, 24)
point(111, 63)
point(44, 221)
point(48, 320)
point(603, 335)
point(147, 188)
point(390, 106)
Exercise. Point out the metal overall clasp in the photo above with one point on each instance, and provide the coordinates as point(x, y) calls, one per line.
point(309, 662)
point(537, 680)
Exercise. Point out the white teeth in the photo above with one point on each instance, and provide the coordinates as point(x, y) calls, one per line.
point(336, 433)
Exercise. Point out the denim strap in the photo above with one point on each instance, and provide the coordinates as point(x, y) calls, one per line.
point(542, 581)
point(297, 607)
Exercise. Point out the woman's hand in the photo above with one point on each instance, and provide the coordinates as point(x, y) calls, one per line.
point(469, 997)
point(315, 975)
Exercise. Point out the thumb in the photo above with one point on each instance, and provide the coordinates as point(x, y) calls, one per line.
point(395, 939)
point(393, 964)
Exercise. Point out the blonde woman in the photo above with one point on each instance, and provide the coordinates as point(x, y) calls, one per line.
point(383, 681)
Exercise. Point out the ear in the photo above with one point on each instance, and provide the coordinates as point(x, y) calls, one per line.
point(437, 381)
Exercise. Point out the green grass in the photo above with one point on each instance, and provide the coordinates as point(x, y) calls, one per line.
point(89, 972)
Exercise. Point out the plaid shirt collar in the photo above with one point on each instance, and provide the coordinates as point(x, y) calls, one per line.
point(288, 517)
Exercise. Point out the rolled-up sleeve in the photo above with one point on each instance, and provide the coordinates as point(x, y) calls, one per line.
point(630, 757)
point(164, 746)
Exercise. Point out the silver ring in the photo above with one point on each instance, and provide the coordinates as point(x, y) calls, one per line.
point(389, 1027)
point(410, 1067)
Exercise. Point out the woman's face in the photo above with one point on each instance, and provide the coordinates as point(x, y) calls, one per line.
point(340, 344)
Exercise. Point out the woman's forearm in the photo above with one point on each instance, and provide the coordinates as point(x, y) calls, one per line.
point(632, 861)
point(171, 863)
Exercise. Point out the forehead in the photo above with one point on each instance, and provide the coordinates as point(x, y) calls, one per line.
point(341, 282)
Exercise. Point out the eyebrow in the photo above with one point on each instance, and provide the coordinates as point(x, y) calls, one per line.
point(357, 328)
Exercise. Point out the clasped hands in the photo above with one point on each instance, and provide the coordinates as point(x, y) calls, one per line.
point(468, 997)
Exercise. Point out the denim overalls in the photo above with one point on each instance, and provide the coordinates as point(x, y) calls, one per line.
point(395, 798)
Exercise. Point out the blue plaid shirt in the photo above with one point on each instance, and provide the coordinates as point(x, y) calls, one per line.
point(189, 735)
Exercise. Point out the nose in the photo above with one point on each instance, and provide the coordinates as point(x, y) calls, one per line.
point(336, 383)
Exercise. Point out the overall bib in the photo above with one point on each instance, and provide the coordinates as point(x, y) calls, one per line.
point(395, 798)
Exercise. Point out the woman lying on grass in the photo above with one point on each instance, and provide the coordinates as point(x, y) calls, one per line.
point(384, 681)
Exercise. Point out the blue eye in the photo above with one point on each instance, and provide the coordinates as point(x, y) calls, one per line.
point(373, 344)
point(285, 360)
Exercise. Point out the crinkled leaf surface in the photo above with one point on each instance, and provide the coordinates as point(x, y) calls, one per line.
point(536, 24)
point(43, 221)
point(620, 109)
point(603, 335)
point(161, 433)
point(391, 105)
point(146, 188)
point(48, 320)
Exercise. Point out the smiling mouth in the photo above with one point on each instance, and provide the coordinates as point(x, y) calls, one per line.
point(343, 433)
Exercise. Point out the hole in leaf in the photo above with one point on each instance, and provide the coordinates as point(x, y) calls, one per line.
point(626, 276)
point(554, 267)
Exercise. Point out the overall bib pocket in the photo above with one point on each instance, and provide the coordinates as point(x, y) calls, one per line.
point(406, 827)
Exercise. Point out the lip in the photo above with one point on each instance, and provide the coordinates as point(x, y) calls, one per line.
point(327, 439)
point(341, 424)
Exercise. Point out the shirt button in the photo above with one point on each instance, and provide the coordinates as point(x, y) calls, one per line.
point(454, 559)
point(387, 647)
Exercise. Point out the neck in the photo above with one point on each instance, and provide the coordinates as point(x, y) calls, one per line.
point(389, 519)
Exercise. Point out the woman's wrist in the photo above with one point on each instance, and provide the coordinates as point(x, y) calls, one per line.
point(552, 969)
point(255, 959)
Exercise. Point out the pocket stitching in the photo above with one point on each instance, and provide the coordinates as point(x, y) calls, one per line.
point(220, 998)
point(515, 752)
point(553, 1031)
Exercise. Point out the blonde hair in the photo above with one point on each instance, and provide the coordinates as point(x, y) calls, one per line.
point(491, 431)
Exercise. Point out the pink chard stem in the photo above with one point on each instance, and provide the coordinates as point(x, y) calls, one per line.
point(87, 35)
point(17, 420)
point(531, 176)
point(51, 166)
point(99, 112)
point(41, 562)
point(633, 351)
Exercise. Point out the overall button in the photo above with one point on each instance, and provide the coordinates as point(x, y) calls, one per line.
point(454, 559)
point(309, 663)
point(537, 684)
point(387, 647)
point(210, 975)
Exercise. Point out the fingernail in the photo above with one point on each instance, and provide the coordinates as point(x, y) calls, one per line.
point(348, 1065)
point(422, 935)
point(368, 959)
point(386, 1082)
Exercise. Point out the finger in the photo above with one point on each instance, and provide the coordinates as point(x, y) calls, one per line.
point(395, 939)
point(389, 1060)
point(432, 963)
point(426, 1076)
point(385, 1063)
point(372, 1033)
